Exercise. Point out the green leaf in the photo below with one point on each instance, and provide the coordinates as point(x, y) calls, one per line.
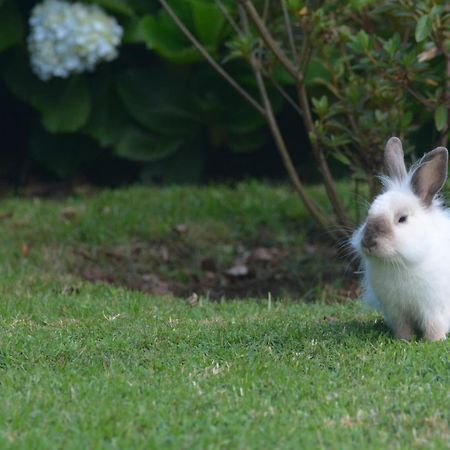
point(294, 4)
point(108, 119)
point(137, 145)
point(316, 71)
point(392, 45)
point(320, 105)
point(406, 119)
point(133, 33)
point(282, 76)
point(11, 25)
point(116, 6)
point(64, 105)
point(204, 19)
point(185, 166)
point(313, 137)
point(164, 37)
point(381, 116)
point(158, 101)
point(361, 42)
point(363, 39)
point(436, 11)
point(354, 93)
point(423, 28)
point(342, 158)
point(441, 117)
point(243, 119)
point(209, 23)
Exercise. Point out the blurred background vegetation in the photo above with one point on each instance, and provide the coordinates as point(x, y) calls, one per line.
point(339, 78)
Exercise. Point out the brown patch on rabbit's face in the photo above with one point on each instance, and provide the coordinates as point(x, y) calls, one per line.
point(376, 233)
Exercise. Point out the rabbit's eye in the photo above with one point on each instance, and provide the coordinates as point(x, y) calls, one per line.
point(402, 219)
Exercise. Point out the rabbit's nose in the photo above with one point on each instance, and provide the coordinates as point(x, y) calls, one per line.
point(369, 241)
point(374, 228)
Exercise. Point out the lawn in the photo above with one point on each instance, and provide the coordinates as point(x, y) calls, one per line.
point(96, 365)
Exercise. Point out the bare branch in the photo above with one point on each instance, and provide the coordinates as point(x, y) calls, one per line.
point(290, 31)
point(321, 160)
point(266, 10)
point(210, 59)
point(316, 212)
point(305, 107)
point(270, 41)
point(285, 94)
point(312, 207)
point(267, 111)
point(444, 135)
point(228, 16)
point(304, 53)
point(244, 19)
point(420, 98)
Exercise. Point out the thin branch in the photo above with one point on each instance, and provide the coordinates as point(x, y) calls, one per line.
point(267, 111)
point(444, 138)
point(239, 32)
point(304, 53)
point(290, 31)
point(270, 41)
point(210, 59)
point(266, 10)
point(420, 98)
point(321, 160)
point(305, 107)
point(316, 213)
point(244, 19)
point(285, 94)
point(228, 16)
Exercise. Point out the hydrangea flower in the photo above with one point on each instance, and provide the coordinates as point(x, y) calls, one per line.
point(67, 38)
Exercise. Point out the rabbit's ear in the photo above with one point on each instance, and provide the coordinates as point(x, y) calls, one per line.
point(431, 174)
point(394, 162)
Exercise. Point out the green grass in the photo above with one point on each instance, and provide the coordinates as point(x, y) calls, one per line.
point(114, 217)
point(96, 366)
point(222, 223)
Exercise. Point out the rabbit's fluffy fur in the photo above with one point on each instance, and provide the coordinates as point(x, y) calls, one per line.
point(404, 246)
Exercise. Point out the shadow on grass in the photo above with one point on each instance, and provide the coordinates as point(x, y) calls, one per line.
point(291, 337)
point(365, 330)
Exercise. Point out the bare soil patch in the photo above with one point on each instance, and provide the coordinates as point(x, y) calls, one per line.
point(183, 264)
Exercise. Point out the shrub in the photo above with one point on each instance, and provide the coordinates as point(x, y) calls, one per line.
point(360, 70)
point(356, 72)
point(139, 107)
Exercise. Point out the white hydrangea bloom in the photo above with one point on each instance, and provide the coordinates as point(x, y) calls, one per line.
point(67, 38)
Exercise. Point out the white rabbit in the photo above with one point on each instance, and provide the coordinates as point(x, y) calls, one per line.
point(404, 245)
